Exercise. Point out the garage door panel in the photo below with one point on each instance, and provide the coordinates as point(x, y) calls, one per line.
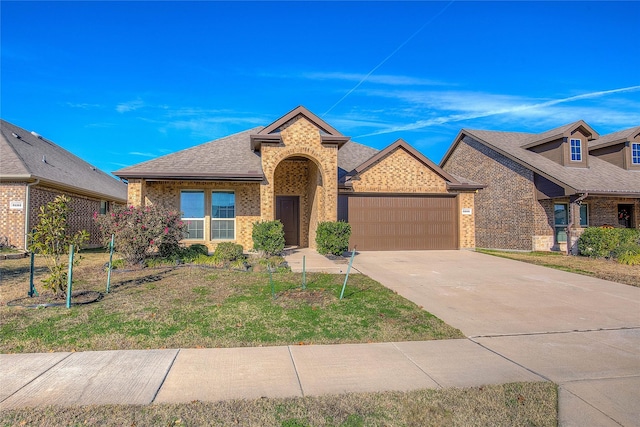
point(402, 223)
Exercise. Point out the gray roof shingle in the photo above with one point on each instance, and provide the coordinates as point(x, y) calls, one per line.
point(230, 158)
point(29, 157)
point(600, 177)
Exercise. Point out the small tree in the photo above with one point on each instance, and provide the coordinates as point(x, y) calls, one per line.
point(268, 237)
point(51, 239)
point(142, 231)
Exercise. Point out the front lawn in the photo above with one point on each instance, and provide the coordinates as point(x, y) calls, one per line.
point(596, 267)
point(516, 404)
point(196, 306)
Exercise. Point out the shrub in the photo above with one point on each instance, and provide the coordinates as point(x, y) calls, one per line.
point(601, 242)
point(51, 238)
point(268, 237)
point(333, 237)
point(628, 254)
point(228, 251)
point(142, 231)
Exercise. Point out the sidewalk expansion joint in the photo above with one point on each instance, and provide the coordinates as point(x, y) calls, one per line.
point(295, 369)
point(512, 361)
point(417, 366)
point(39, 375)
point(165, 376)
point(586, 403)
point(573, 331)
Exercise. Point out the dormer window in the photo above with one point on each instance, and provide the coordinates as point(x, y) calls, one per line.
point(576, 150)
point(635, 153)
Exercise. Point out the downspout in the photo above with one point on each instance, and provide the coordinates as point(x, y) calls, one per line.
point(571, 216)
point(26, 214)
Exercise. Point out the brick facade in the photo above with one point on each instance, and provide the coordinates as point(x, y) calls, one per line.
point(507, 203)
point(247, 196)
point(12, 221)
point(301, 138)
point(399, 172)
point(510, 215)
point(300, 164)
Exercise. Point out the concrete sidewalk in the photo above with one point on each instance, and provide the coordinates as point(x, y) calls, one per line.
point(179, 376)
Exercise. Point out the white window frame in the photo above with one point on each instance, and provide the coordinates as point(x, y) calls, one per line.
point(578, 151)
point(184, 219)
point(231, 220)
point(635, 153)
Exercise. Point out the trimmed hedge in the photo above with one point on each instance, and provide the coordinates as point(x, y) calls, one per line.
point(268, 237)
point(600, 242)
point(333, 237)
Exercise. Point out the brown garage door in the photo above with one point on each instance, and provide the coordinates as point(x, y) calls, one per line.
point(382, 223)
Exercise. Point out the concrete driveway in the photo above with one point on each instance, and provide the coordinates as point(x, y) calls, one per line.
point(580, 332)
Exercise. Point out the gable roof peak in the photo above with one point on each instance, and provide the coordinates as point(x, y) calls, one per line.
point(563, 131)
point(300, 110)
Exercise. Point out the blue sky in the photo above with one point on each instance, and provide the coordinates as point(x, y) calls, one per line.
point(118, 83)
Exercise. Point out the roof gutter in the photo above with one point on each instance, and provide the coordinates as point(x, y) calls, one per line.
point(26, 213)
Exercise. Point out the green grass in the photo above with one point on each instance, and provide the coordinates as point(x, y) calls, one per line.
point(192, 307)
point(515, 404)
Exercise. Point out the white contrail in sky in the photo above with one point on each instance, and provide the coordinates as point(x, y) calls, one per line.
point(459, 117)
point(388, 57)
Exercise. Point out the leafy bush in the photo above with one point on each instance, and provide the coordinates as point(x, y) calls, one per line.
point(268, 237)
point(333, 237)
point(628, 254)
point(228, 251)
point(51, 238)
point(600, 242)
point(142, 231)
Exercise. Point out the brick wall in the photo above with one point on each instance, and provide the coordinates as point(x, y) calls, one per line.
point(301, 138)
point(467, 225)
point(80, 216)
point(12, 220)
point(505, 208)
point(399, 172)
point(247, 195)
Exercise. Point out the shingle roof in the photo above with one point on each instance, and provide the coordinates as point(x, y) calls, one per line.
point(600, 177)
point(27, 157)
point(229, 158)
point(615, 138)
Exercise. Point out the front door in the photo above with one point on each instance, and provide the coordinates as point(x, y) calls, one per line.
point(288, 212)
point(625, 216)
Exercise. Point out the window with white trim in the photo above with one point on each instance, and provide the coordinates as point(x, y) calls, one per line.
point(223, 215)
point(635, 153)
point(192, 207)
point(576, 150)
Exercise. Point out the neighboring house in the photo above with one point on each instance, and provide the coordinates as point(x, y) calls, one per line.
point(543, 187)
point(302, 171)
point(33, 171)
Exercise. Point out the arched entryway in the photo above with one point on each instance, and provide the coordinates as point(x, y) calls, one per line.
point(298, 194)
